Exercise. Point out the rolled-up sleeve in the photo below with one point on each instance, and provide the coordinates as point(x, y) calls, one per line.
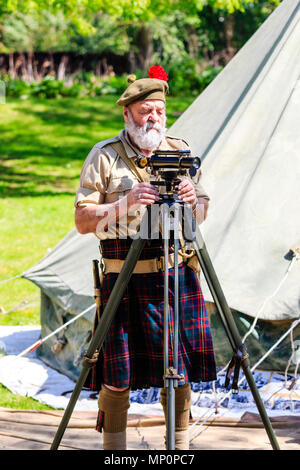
point(94, 178)
point(200, 191)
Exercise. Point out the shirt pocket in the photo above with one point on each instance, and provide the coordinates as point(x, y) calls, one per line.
point(118, 187)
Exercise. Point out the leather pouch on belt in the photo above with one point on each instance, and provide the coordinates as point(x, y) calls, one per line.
point(190, 258)
point(98, 279)
point(194, 264)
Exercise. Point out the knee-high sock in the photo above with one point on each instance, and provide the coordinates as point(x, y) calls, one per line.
point(114, 406)
point(182, 414)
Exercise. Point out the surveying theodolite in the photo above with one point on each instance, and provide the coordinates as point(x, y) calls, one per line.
point(176, 221)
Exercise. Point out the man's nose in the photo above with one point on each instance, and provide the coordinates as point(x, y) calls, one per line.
point(154, 117)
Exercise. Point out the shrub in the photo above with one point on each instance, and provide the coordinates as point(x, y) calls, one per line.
point(48, 87)
point(16, 88)
point(183, 79)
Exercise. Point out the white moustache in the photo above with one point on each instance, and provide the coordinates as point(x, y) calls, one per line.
point(152, 125)
point(147, 136)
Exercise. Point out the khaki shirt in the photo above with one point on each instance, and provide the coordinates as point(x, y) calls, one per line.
point(105, 178)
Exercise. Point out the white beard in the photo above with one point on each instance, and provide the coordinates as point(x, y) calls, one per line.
point(148, 136)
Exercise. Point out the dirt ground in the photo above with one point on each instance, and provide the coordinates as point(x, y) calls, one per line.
point(35, 430)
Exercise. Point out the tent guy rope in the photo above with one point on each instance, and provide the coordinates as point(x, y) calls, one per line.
point(227, 395)
point(291, 265)
point(11, 278)
point(281, 282)
point(38, 343)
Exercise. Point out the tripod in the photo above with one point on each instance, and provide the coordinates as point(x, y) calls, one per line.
point(170, 376)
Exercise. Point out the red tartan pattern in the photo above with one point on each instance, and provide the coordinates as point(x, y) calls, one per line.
point(132, 354)
point(99, 421)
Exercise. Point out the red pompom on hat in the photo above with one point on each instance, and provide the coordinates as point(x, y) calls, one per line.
point(157, 71)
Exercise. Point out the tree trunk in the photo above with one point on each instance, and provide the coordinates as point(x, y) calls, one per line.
point(39, 74)
point(145, 45)
point(104, 67)
point(193, 45)
point(52, 66)
point(30, 59)
point(11, 68)
point(132, 61)
point(70, 80)
point(229, 34)
point(98, 69)
point(21, 64)
point(61, 73)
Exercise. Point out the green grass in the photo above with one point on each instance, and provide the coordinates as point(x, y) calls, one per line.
point(43, 145)
point(42, 148)
point(18, 402)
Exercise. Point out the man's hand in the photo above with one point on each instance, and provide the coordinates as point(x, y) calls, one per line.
point(142, 193)
point(186, 192)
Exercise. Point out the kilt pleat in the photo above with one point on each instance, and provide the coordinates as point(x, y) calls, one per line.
point(133, 354)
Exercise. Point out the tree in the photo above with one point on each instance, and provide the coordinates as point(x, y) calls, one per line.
point(29, 33)
point(145, 15)
point(147, 30)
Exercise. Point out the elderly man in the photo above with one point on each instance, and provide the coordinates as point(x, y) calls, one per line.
point(108, 203)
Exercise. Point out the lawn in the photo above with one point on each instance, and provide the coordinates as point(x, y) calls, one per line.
point(43, 146)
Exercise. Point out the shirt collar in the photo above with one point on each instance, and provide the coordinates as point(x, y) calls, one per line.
point(130, 149)
point(164, 144)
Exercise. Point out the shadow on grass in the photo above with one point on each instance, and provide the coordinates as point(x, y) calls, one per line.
point(15, 183)
point(87, 118)
point(45, 142)
point(55, 131)
point(68, 114)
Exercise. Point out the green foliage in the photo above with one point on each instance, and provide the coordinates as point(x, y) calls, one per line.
point(188, 38)
point(49, 87)
point(17, 88)
point(249, 20)
point(42, 31)
point(102, 25)
point(116, 84)
point(107, 35)
point(130, 10)
point(185, 78)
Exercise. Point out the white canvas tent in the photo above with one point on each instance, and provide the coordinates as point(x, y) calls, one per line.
point(246, 128)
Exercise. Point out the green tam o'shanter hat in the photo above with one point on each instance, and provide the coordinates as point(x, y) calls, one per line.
point(153, 88)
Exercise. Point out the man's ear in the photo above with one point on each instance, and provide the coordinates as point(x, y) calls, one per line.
point(125, 113)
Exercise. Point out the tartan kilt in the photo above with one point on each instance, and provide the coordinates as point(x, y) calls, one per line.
point(132, 354)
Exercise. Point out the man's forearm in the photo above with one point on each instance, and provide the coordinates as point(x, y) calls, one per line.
point(90, 218)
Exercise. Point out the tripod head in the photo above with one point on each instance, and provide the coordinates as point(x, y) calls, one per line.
point(167, 166)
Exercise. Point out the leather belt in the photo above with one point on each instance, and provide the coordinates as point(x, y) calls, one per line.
point(143, 266)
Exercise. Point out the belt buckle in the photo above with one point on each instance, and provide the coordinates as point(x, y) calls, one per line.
point(102, 266)
point(160, 263)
